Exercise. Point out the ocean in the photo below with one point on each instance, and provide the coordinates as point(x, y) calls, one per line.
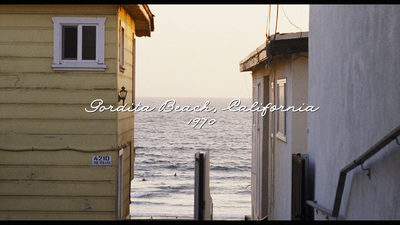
point(166, 143)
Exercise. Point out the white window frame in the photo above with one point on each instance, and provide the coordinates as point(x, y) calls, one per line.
point(122, 31)
point(79, 64)
point(281, 133)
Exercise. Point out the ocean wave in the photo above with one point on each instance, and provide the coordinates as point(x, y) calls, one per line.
point(166, 145)
point(246, 190)
point(191, 168)
point(234, 178)
point(147, 194)
point(184, 148)
point(182, 187)
point(171, 167)
point(135, 202)
point(230, 168)
point(221, 168)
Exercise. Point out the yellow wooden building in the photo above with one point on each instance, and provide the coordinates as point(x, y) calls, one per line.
point(58, 161)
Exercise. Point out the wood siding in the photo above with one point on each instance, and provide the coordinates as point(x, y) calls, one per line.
point(44, 109)
point(126, 119)
point(56, 185)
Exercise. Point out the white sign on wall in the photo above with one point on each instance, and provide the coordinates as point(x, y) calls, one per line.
point(101, 160)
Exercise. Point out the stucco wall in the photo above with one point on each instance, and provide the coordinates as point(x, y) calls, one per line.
point(294, 68)
point(299, 87)
point(259, 170)
point(354, 77)
point(281, 206)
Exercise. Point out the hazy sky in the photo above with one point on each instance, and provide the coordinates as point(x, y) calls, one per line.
point(195, 50)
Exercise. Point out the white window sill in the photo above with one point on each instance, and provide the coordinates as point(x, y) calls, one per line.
point(77, 66)
point(281, 136)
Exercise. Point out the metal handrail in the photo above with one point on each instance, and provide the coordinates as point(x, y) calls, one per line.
point(357, 162)
point(324, 210)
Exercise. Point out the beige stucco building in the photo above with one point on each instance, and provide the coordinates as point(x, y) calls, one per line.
point(279, 69)
point(54, 61)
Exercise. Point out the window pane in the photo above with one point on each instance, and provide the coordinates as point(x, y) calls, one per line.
point(69, 42)
point(89, 42)
point(281, 101)
point(278, 103)
point(281, 95)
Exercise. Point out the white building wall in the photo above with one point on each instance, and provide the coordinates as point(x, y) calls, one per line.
point(294, 68)
point(354, 77)
point(282, 178)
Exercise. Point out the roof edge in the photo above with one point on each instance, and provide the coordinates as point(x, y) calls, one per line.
point(277, 44)
point(143, 17)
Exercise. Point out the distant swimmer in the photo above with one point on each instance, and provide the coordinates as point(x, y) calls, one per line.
point(144, 179)
point(175, 174)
